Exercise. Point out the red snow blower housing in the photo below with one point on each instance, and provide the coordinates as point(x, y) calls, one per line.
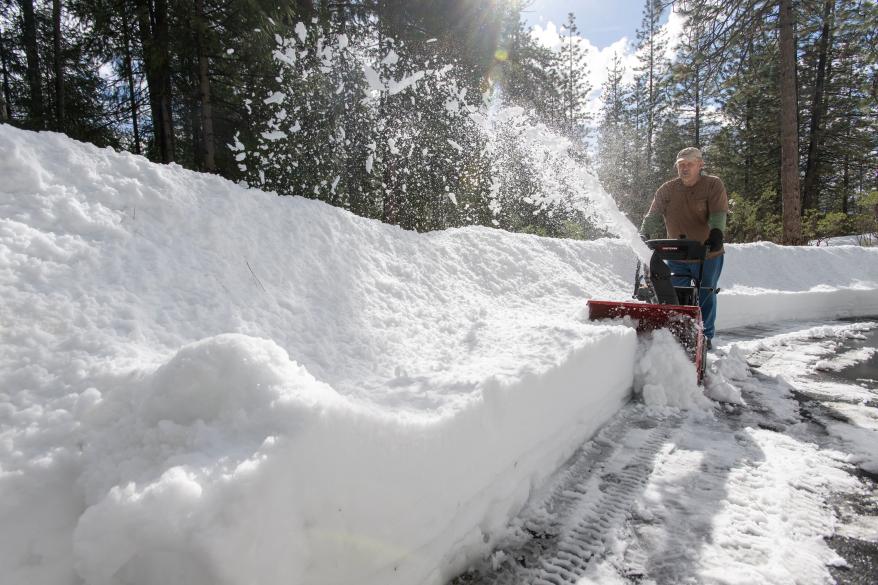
point(660, 304)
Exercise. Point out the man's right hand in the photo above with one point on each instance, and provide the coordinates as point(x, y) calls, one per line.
point(714, 241)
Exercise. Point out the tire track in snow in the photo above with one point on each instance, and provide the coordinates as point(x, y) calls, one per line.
point(734, 498)
point(583, 508)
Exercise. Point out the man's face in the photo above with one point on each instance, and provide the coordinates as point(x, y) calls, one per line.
point(689, 170)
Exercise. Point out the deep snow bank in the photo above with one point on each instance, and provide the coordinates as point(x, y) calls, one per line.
point(206, 384)
point(384, 402)
point(764, 283)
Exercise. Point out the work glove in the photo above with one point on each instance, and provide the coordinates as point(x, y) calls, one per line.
point(644, 237)
point(714, 241)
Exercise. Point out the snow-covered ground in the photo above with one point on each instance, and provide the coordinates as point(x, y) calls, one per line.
point(868, 239)
point(205, 384)
point(758, 492)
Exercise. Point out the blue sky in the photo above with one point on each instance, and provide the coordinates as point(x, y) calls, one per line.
point(600, 21)
point(607, 29)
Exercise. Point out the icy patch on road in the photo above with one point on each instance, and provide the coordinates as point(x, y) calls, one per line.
point(793, 358)
point(860, 440)
point(845, 360)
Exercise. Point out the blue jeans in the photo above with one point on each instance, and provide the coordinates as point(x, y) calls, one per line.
point(684, 271)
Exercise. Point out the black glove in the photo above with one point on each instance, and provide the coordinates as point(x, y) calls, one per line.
point(714, 241)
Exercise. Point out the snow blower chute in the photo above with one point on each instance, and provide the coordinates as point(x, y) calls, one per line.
point(660, 304)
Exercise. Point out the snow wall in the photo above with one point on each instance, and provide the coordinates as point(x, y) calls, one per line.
point(205, 384)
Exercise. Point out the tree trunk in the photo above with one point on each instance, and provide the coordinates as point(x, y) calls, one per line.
point(60, 115)
point(697, 107)
point(570, 82)
point(144, 26)
point(129, 73)
point(5, 95)
point(35, 104)
point(846, 164)
point(789, 139)
point(152, 21)
point(163, 71)
point(812, 168)
point(209, 162)
point(195, 123)
point(651, 105)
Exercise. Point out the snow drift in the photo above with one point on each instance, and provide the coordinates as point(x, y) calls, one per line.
point(205, 384)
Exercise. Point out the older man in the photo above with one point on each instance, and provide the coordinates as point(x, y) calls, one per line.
point(694, 206)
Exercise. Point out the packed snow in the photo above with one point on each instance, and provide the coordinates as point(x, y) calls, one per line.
point(825, 352)
point(867, 239)
point(202, 383)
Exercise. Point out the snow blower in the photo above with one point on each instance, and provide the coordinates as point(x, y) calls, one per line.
point(660, 304)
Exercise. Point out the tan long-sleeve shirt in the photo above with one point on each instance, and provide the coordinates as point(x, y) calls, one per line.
point(686, 210)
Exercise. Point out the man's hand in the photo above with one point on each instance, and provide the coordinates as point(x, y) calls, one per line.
point(714, 241)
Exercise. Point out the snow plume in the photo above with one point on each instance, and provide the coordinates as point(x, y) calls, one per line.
point(665, 376)
point(333, 96)
point(388, 130)
point(563, 182)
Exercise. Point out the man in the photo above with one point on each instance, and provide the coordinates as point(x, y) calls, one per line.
point(693, 206)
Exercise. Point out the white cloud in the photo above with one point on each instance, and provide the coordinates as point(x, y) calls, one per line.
point(674, 29)
point(547, 37)
point(600, 60)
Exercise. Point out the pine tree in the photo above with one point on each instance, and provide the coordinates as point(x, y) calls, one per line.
point(525, 71)
point(616, 135)
point(571, 72)
point(652, 75)
point(6, 63)
point(736, 23)
point(695, 76)
point(35, 106)
point(845, 141)
point(789, 130)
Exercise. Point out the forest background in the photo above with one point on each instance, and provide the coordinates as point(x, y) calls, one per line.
point(389, 108)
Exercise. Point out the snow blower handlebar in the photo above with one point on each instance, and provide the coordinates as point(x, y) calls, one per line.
point(659, 287)
point(681, 249)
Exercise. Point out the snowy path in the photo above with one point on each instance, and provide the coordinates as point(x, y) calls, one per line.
point(749, 495)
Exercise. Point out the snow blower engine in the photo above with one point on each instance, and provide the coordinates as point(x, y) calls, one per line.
point(660, 304)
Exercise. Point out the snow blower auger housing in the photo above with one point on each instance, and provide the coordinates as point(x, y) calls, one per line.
point(660, 304)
